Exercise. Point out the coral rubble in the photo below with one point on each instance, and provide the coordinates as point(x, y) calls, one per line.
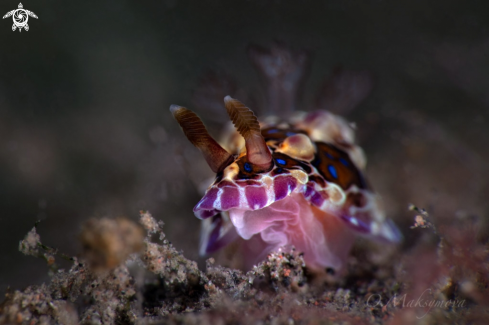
point(122, 278)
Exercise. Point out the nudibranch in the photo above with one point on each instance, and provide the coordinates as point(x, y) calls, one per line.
point(286, 184)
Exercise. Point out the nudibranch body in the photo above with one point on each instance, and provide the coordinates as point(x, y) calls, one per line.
point(297, 183)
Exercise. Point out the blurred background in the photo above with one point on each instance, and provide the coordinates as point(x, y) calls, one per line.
point(85, 129)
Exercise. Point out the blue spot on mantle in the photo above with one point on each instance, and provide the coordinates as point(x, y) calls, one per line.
point(344, 162)
point(281, 162)
point(332, 171)
point(247, 167)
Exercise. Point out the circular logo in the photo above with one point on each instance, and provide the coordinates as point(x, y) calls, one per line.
point(20, 17)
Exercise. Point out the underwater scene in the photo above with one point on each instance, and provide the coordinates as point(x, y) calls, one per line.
point(252, 162)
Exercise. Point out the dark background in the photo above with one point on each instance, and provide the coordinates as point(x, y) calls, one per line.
point(85, 129)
